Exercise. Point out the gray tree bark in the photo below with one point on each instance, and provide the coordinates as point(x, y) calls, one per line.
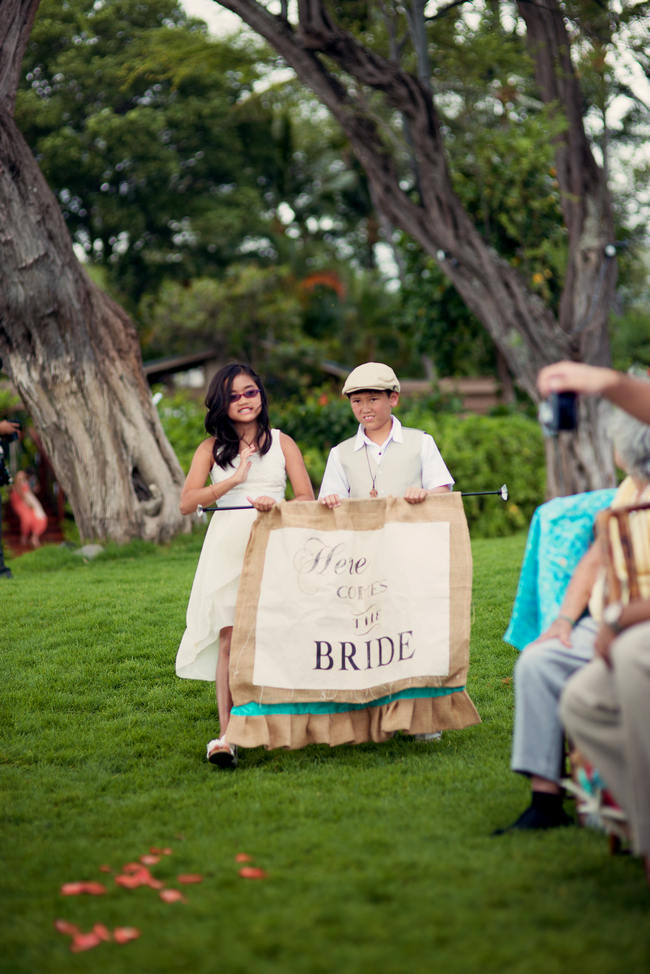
point(526, 332)
point(71, 352)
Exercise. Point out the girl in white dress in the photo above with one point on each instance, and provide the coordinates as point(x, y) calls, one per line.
point(247, 463)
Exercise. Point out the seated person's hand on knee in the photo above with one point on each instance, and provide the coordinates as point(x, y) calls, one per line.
point(561, 628)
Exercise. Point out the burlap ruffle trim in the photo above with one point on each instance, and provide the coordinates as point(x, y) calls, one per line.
point(416, 716)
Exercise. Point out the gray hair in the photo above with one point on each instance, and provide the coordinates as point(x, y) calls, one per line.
point(631, 440)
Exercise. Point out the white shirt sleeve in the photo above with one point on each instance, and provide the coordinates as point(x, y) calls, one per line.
point(334, 479)
point(434, 468)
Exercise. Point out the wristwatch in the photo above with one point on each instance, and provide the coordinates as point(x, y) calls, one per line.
point(612, 616)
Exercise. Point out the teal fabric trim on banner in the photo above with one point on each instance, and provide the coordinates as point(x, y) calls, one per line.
point(261, 710)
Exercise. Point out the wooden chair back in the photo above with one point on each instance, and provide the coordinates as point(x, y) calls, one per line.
point(625, 535)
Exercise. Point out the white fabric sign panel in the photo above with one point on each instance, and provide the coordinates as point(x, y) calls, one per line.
point(348, 610)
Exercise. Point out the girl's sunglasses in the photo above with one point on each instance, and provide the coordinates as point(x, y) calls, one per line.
point(249, 394)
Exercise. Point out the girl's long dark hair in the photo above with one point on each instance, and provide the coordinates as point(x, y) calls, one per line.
point(217, 423)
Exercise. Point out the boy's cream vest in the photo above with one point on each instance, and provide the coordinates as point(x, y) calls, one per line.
point(400, 467)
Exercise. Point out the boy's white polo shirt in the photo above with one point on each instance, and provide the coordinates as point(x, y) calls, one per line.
point(434, 469)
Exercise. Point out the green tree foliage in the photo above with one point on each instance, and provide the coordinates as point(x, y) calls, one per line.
point(328, 216)
point(144, 128)
point(183, 419)
point(285, 325)
point(482, 452)
point(252, 314)
point(357, 321)
point(242, 314)
point(441, 326)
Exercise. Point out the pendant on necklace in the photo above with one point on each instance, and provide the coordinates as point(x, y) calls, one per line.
point(373, 476)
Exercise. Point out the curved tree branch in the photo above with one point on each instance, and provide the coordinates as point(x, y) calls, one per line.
point(16, 24)
point(585, 197)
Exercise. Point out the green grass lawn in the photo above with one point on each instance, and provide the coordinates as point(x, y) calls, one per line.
point(379, 858)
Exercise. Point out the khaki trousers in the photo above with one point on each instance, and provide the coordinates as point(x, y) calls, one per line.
point(606, 712)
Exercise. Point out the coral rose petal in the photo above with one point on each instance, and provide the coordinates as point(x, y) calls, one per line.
point(95, 889)
point(75, 889)
point(72, 889)
point(122, 935)
point(150, 860)
point(131, 881)
point(69, 929)
point(137, 877)
point(252, 872)
point(243, 857)
point(171, 895)
point(102, 932)
point(105, 869)
point(85, 941)
point(190, 878)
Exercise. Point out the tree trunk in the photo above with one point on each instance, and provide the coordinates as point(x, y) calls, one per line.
point(582, 460)
point(71, 352)
point(525, 331)
point(586, 203)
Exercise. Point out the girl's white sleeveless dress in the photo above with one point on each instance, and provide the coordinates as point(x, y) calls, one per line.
point(214, 591)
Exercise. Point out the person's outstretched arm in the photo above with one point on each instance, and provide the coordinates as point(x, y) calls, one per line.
point(625, 391)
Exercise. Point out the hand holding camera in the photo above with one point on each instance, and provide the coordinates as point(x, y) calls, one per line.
point(9, 429)
point(558, 413)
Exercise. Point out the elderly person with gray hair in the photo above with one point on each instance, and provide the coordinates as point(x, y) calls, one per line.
point(568, 644)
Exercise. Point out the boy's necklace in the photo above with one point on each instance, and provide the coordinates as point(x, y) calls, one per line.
point(373, 476)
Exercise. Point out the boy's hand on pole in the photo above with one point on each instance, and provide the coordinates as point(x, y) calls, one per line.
point(415, 495)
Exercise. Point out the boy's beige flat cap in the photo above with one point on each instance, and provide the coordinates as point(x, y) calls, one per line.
point(371, 375)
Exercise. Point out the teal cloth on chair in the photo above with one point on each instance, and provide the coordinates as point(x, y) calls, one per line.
point(560, 532)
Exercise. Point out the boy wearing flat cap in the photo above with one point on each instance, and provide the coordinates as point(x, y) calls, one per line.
point(384, 458)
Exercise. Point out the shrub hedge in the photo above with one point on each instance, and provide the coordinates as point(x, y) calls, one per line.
point(482, 452)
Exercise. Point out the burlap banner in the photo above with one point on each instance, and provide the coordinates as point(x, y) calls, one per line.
point(353, 623)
